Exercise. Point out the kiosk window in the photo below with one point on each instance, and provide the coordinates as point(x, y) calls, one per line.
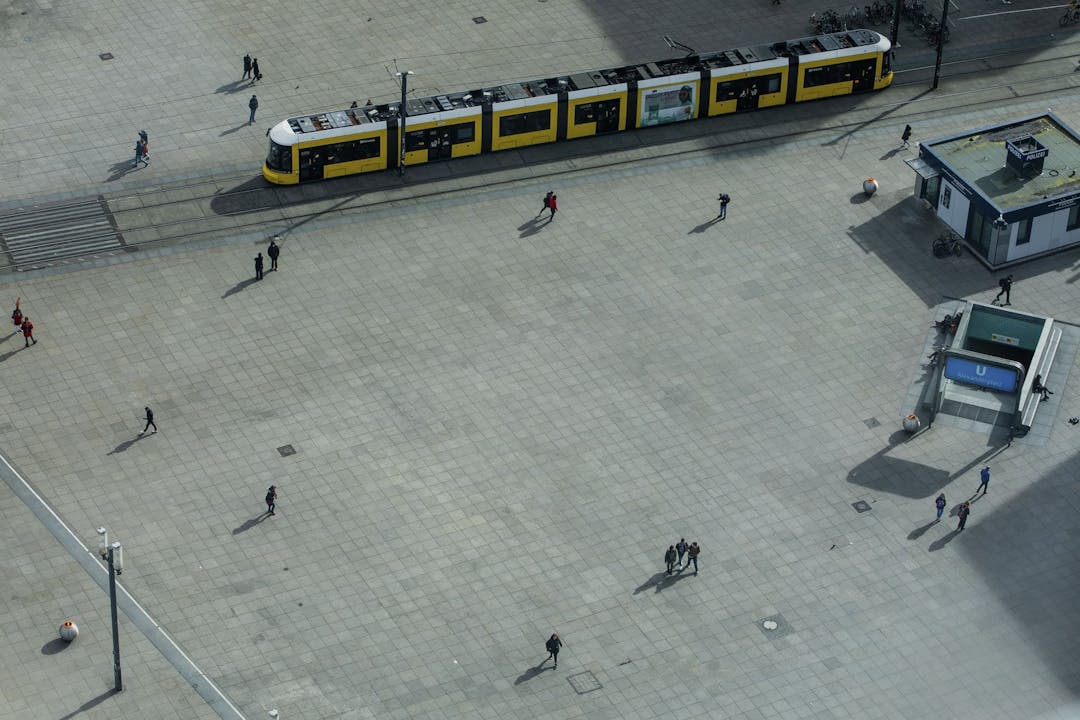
point(525, 123)
point(1074, 217)
point(1023, 232)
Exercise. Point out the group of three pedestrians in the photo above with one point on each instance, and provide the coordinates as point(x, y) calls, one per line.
point(674, 556)
point(964, 511)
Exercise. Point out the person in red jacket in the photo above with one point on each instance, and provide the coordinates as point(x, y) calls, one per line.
point(553, 206)
point(17, 316)
point(28, 331)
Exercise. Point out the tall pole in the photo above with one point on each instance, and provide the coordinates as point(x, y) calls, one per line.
point(895, 23)
point(940, 43)
point(118, 682)
point(404, 88)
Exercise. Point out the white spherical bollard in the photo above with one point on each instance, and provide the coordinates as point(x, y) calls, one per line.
point(869, 186)
point(912, 423)
point(68, 631)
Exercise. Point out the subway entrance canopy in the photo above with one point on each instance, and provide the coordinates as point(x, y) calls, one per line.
point(1011, 190)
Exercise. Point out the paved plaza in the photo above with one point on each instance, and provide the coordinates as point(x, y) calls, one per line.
point(498, 426)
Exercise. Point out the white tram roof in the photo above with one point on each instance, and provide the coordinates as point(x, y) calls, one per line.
point(529, 92)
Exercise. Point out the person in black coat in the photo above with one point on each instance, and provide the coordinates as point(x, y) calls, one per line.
point(259, 266)
point(255, 74)
point(553, 645)
point(273, 251)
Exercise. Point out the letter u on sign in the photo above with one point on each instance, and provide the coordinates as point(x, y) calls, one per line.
point(980, 370)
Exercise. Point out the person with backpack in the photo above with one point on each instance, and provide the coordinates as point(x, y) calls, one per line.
point(1005, 284)
point(939, 503)
point(691, 555)
point(681, 547)
point(553, 645)
point(271, 499)
point(547, 203)
point(963, 513)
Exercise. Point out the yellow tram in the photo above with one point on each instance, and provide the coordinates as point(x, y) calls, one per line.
point(367, 139)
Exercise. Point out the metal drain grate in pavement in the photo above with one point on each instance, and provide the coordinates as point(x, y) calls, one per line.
point(42, 235)
point(584, 682)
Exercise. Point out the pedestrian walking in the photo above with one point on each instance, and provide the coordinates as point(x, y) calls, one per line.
point(259, 267)
point(255, 74)
point(273, 251)
point(692, 552)
point(963, 513)
point(145, 146)
point(547, 203)
point(940, 504)
point(553, 206)
point(724, 200)
point(140, 154)
point(1005, 284)
point(149, 422)
point(247, 67)
point(17, 316)
point(681, 548)
point(905, 136)
point(271, 499)
point(28, 331)
point(984, 480)
point(253, 105)
point(553, 645)
point(669, 558)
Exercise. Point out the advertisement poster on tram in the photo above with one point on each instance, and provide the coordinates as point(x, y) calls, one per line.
point(668, 104)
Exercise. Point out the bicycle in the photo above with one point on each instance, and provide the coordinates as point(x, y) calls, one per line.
point(1071, 16)
point(948, 243)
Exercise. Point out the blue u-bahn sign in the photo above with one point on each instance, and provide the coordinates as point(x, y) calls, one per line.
point(991, 377)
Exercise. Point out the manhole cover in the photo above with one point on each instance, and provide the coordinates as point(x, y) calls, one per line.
point(584, 682)
point(774, 627)
point(479, 19)
point(106, 56)
point(871, 423)
point(286, 450)
point(861, 506)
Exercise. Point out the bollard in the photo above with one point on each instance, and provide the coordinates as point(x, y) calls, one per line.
point(912, 424)
point(869, 186)
point(68, 631)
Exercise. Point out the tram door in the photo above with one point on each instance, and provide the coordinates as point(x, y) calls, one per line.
point(440, 145)
point(862, 75)
point(311, 164)
point(607, 116)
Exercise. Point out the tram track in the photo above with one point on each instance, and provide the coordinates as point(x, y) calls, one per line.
point(221, 206)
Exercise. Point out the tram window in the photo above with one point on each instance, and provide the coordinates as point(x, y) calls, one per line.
point(886, 64)
point(351, 150)
point(279, 158)
point(1074, 218)
point(584, 113)
point(524, 123)
point(727, 91)
point(827, 74)
point(463, 133)
point(416, 140)
point(772, 83)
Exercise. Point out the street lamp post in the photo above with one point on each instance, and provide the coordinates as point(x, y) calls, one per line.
point(404, 76)
point(940, 43)
point(114, 555)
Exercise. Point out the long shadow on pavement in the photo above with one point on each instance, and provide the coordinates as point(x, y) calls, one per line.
point(920, 531)
point(90, 704)
point(250, 523)
point(531, 673)
point(942, 542)
point(121, 169)
point(703, 226)
point(122, 447)
point(238, 287)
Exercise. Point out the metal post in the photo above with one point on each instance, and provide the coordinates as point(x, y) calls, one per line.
point(401, 110)
point(118, 682)
point(940, 43)
point(895, 23)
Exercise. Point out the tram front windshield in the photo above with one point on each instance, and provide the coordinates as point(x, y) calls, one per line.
point(279, 158)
